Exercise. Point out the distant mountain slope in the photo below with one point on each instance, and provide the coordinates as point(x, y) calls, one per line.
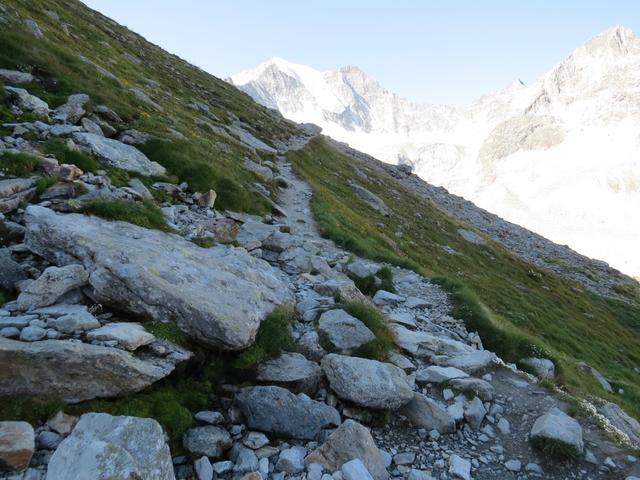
point(559, 157)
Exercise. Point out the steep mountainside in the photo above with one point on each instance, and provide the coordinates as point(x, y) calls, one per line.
point(193, 287)
point(559, 157)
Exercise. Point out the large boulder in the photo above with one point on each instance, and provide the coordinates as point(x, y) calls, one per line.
point(218, 295)
point(367, 383)
point(292, 370)
point(51, 285)
point(623, 422)
point(117, 154)
point(73, 371)
point(14, 191)
point(557, 428)
point(472, 362)
point(208, 440)
point(103, 447)
point(25, 101)
point(276, 410)
point(345, 332)
point(425, 344)
point(17, 442)
point(347, 443)
point(424, 412)
point(73, 110)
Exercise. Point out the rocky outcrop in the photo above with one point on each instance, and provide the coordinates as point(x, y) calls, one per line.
point(103, 447)
point(367, 383)
point(117, 154)
point(347, 443)
point(555, 426)
point(218, 295)
point(277, 410)
point(74, 371)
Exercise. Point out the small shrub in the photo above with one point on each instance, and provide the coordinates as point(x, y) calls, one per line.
point(58, 148)
point(146, 214)
point(17, 164)
point(274, 336)
point(204, 242)
point(368, 314)
point(43, 183)
point(555, 449)
point(167, 330)
point(385, 274)
point(118, 177)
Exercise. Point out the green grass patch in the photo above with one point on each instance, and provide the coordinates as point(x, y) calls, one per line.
point(369, 285)
point(43, 183)
point(375, 321)
point(146, 214)
point(519, 309)
point(555, 450)
point(59, 149)
point(17, 164)
point(273, 337)
point(167, 330)
point(28, 409)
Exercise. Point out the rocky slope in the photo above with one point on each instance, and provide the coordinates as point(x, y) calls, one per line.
point(155, 324)
point(557, 156)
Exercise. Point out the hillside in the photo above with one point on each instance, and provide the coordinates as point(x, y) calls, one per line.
point(193, 287)
point(557, 156)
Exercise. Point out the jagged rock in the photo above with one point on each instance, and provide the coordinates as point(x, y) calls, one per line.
point(248, 139)
point(459, 467)
point(15, 76)
point(371, 199)
point(25, 101)
point(363, 268)
point(117, 154)
point(340, 287)
point(401, 361)
point(207, 199)
point(17, 443)
point(255, 440)
point(345, 332)
point(207, 416)
point(203, 468)
point(419, 475)
point(137, 185)
point(129, 335)
point(63, 130)
point(557, 426)
point(10, 271)
point(49, 440)
point(437, 374)
point(291, 370)
point(382, 297)
point(33, 28)
point(424, 344)
point(142, 95)
point(91, 126)
point(423, 412)
point(355, 470)
point(265, 173)
point(51, 285)
point(277, 410)
point(164, 277)
point(291, 460)
point(350, 441)
point(62, 423)
point(367, 383)
point(543, 367)
point(208, 440)
point(245, 461)
point(14, 191)
point(74, 371)
point(481, 388)
point(107, 113)
point(73, 110)
point(134, 137)
point(472, 362)
point(103, 447)
point(597, 375)
point(474, 413)
point(623, 422)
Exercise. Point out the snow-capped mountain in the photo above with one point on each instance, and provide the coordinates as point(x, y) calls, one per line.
point(560, 156)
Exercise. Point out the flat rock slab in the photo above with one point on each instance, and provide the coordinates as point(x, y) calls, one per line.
point(472, 362)
point(425, 344)
point(73, 371)
point(424, 412)
point(276, 410)
point(350, 441)
point(103, 447)
point(218, 296)
point(129, 335)
point(367, 383)
point(292, 370)
point(437, 374)
point(345, 332)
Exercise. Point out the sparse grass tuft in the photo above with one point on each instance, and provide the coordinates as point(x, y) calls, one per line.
point(146, 214)
point(167, 330)
point(554, 449)
point(17, 164)
point(368, 314)
point(58, 148)
point(274, 336)
point(43, 183)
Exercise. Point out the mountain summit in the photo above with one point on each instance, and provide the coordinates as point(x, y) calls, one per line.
point(558, 156)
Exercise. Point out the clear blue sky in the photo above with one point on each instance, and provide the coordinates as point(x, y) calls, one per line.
point(428, 50)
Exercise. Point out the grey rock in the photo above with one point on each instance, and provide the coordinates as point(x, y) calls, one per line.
point(350, 441)
point(459, 467)
point(14, 191)
point(472, 362)
point(255, 440)
point(598, 376)
point(103, 447)
point(142, 95)
point(25, 101)
point(474, 413)
point(513, 465)
point(504, 426)
point(246, 461)
point(345, 332)
point(33, 28)
point(137, 185)
point(363, 268)
point(203, 468)
point(424, 412)
point(63, 130)
point(481, 388)
point(223, 467)
point(32, 334)
point(134, 137)
point(382, 297)
point(367, 383)
point(74, 371)
point(17, 444)
point(51, 285)
point(291, 460)
point(128, 335)
point(164, 277)
point(371, 199)
point(91, 126)
point(73, 110)
point(355, 470)
point(623, 422)
point(117, 154)
point(9, 332)
point(208, 440)
point(10, 271)
point(206, 416)
point(265, 173)
point(49, 440)
point(291, 370)
point(340, 287)
point(415, 474)
point(15, 76)
point(405, 458)
point(425, 344)
point(543, 367)
point(437, 374)
point(471, 236)
point(81, 320)
point(557, 426)
point(276, 410)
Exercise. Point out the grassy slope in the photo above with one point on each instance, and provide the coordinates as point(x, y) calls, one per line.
point(168, 80)
point(519, 309)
